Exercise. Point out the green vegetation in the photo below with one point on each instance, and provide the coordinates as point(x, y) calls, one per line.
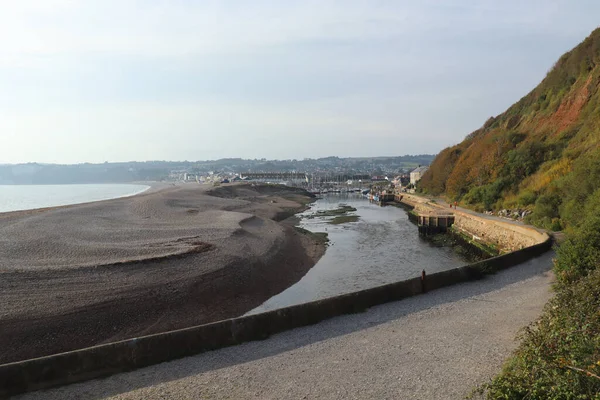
point(339, 214)
point(342, 209)
point(484, 249)
point(543, 154)
point(319, 237)
point(342, 219)
point(461, 245)
point(525, 156)
point(559, 357)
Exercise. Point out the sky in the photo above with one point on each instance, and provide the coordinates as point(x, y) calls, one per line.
point(124, 80)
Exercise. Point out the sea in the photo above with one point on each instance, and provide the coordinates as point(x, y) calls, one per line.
point(29, 197)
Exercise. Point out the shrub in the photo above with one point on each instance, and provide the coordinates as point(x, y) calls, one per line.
point(486, 195)
point(526, 198)
point(578, 186)
point(547, 206)
point(559, 357)
point(580, 253)
point(545, 212)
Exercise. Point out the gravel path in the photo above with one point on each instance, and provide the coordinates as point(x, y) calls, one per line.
point(435, 346)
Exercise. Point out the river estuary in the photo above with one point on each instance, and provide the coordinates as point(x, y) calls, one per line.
point(383, 246)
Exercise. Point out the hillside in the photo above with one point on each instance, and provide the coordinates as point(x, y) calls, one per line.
point(120, 172)
point(541, 154)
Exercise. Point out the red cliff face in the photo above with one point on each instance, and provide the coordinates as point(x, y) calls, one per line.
point(521, 150)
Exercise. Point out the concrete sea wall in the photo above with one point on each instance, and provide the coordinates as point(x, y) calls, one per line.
point(504, 235)
point(410, 199)
point(103, 360)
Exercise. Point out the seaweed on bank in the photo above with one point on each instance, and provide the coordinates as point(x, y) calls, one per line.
point(486, 250)
point(341, 210)
point(320, 237)
point(459, 245)
point(412, 216)
point(342, 219)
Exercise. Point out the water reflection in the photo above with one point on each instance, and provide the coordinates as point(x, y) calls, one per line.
point(382, 247)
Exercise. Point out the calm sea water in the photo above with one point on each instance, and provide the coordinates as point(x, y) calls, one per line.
point(28, 197)
point(383, 246)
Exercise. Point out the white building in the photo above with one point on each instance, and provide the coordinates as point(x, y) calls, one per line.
point(416, 174)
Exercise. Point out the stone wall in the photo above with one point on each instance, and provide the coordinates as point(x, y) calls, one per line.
point(409, 199)
point(504, 235)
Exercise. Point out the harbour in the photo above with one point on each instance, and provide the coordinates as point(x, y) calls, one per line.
point(381, 247)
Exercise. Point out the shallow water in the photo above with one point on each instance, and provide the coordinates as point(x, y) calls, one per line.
point(28, 197)
point(383, 246)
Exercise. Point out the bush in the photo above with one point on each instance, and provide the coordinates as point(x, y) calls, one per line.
point(581, 185)
point(559, 357)
point(528, 147)
point(524, 160)
point(526, 198)
point(577, 256)
point(547, 206)
point(545, 213)
point(580, 253)
point(486, 195)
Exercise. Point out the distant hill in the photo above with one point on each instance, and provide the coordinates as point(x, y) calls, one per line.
point(542, 153)
point(122, 172)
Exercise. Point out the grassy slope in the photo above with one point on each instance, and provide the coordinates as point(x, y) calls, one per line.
point(543, 154)
point(524, 154)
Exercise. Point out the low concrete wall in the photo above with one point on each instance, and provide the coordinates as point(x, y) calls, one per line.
point(100, 361)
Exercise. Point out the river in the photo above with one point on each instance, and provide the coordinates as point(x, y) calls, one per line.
point(383, 246)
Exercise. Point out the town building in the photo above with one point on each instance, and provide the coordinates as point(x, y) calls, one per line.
point(401, 180)
point(417, 173)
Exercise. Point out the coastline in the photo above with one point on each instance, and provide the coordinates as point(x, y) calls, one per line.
point(203, 254)
point(124, 355)
point(151, 187)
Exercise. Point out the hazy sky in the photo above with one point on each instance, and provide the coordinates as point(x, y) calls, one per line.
point(118, 80)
